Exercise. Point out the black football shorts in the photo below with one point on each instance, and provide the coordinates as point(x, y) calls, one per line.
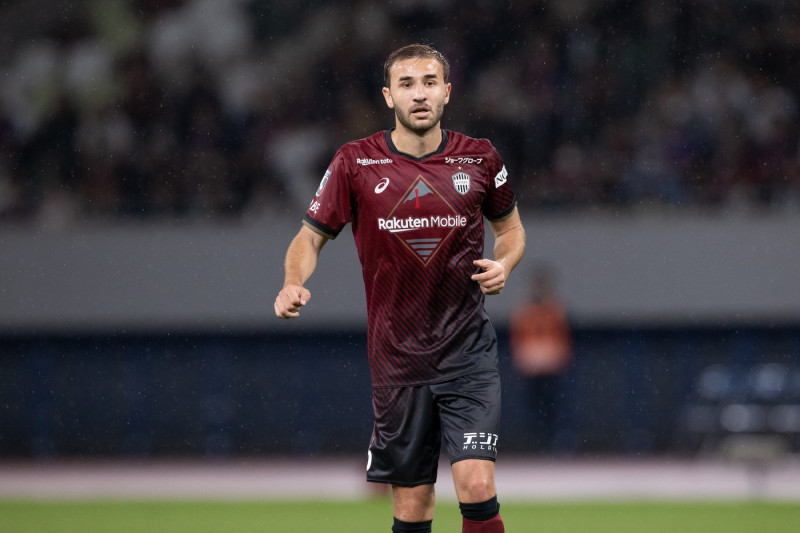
point(412, 422)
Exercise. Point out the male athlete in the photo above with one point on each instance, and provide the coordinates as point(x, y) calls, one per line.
point(416, 196)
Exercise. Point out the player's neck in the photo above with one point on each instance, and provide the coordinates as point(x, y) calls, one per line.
point(417, 144)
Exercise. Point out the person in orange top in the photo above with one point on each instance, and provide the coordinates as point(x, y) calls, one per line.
point(541, 350)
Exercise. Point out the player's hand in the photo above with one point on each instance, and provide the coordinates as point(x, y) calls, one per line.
point(290, 300)
point(492, 277)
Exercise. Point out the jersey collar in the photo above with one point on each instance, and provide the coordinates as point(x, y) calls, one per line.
point(393, 148)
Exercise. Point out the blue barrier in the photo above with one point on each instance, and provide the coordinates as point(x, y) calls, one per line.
point(251, 394)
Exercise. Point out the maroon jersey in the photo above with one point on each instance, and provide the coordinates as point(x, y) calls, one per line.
point(418, 225)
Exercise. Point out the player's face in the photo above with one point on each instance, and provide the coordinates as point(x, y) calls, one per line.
point(417, 93)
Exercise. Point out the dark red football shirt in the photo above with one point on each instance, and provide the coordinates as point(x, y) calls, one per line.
point(418, 225)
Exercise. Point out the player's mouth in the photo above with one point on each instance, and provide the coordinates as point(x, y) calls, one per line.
point(420, 111)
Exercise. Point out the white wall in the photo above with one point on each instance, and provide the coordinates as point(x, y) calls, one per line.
point(613, 268)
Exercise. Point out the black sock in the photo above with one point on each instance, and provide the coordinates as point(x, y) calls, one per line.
point(411, 527)
point(480, 512)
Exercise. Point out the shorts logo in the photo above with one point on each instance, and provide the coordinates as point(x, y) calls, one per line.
point(480, 441)
point(461, 182)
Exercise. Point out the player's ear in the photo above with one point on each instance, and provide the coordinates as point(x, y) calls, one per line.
point(387, 95)
point(447, 93)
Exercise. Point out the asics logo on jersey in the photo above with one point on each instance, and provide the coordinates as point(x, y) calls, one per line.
point(381, 186)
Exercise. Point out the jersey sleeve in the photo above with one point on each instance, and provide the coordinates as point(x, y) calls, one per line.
point(332, 206)
point(500, 199)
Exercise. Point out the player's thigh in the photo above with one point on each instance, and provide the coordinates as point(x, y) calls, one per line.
point(406, 437)
point(469, 409)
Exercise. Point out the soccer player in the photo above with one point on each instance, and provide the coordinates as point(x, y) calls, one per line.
point(416, 196)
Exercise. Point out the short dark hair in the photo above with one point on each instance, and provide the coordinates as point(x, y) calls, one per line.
point(414, 51)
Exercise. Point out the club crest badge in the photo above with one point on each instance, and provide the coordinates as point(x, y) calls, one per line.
point(461, 182)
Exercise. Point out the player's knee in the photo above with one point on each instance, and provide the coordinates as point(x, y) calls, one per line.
point(413, 504)
point(477, 489)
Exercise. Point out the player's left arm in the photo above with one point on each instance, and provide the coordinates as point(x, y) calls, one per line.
point(509, 245)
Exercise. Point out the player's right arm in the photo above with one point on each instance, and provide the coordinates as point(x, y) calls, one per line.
point(300, 262)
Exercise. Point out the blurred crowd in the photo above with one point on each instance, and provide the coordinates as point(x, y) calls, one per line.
point(209, 109)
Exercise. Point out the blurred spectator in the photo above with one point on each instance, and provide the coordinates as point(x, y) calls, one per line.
point(198, 108)
point(541, 350)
